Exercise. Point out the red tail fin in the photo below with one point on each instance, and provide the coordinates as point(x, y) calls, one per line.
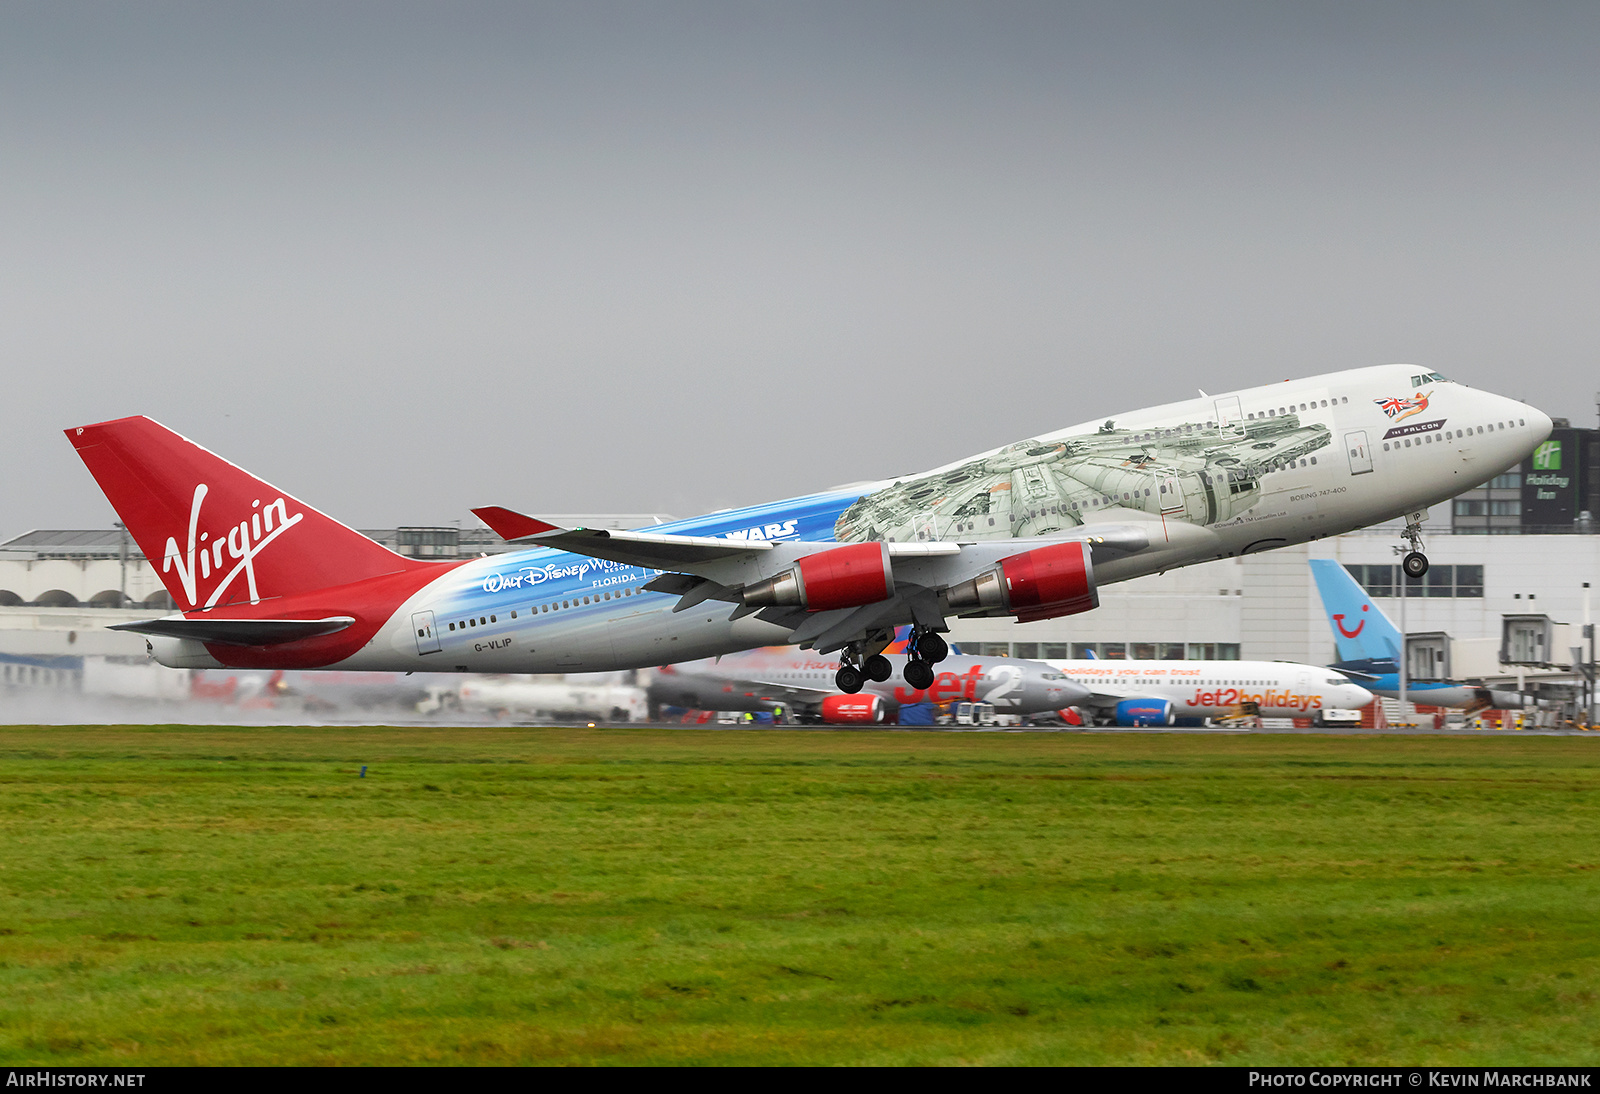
point(219, 534)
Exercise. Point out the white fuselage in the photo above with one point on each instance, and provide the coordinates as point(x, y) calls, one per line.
point(1206, 478)
point(1215, 689)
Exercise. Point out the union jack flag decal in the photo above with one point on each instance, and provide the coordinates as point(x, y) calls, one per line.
point(1403, 408)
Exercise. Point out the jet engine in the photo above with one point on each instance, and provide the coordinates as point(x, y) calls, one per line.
point(845, 577)
point(841, 710)
point(1040, 584)
point(1145, 712)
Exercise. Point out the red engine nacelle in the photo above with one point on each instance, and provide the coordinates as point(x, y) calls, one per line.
point(842, 710)
point(845, 577)
point(1038, 584)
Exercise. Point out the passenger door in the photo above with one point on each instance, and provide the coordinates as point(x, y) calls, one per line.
point(1355, 442)
point(1229, 412)
point(1172, 504)
point(427, 639)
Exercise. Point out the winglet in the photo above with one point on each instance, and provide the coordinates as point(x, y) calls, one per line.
point(509, 525)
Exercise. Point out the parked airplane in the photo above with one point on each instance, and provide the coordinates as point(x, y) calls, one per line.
point(1369, 649)
point(1028, 531)
point(1143, 693)
point(761, 680)
point(570, 699)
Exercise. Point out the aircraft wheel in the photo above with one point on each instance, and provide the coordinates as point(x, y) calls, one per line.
point(932, 649)
point(919, 674)
point(848, 680)
point(877, 668)
point(1415, 564)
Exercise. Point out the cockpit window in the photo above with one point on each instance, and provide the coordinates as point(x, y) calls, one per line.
point(1428, 378)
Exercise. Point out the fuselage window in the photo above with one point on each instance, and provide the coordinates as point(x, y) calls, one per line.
point(564, 603)
point(492, 619)
point(1386, 446)
point(482, 620)
point(452, 626)
point(513, 613)
point(544, 607)
point(472, 622)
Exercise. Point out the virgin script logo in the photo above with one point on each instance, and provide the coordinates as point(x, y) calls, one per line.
point(243, 541)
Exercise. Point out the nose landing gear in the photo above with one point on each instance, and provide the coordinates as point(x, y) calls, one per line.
point(1415, 563)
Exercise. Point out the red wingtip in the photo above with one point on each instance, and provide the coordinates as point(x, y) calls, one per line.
point(510, 525)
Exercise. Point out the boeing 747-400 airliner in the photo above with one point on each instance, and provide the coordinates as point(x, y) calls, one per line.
point(1030, 531)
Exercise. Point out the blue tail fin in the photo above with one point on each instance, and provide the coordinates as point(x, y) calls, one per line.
point(1360, 631)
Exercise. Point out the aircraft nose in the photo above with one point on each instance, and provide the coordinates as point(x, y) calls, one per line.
point(1356, 697)
point(1540, 422)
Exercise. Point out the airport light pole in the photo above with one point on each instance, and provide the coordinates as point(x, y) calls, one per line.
point(1405, 669)
point(1589, 669)
point(122, 590)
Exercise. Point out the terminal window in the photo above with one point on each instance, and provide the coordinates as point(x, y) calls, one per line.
point(1440, 580)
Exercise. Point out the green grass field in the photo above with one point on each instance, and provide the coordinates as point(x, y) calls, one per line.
point(176, 895)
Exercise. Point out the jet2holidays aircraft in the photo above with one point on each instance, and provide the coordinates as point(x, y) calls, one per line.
point(1369, 648)
point(1160, 693)
point(1030, 531)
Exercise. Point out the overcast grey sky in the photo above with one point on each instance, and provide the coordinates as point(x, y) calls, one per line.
point(402, 260)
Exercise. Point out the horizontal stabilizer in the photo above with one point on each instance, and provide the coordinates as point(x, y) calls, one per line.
point(510, 525)
point(239, 632)
point(652, 549)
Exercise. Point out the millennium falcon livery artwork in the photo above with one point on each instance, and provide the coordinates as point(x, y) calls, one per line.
point(1197, 472)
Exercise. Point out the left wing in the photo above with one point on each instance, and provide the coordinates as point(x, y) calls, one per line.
point(649, 549)
point(831, 595)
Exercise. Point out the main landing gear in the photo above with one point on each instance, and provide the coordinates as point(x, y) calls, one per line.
point(853, 676)
point(1415, 563)
point(854, 672)
point(924, 650)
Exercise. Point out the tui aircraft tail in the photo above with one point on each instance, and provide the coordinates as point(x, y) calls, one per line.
point(220, 535)
point(1360, 631)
